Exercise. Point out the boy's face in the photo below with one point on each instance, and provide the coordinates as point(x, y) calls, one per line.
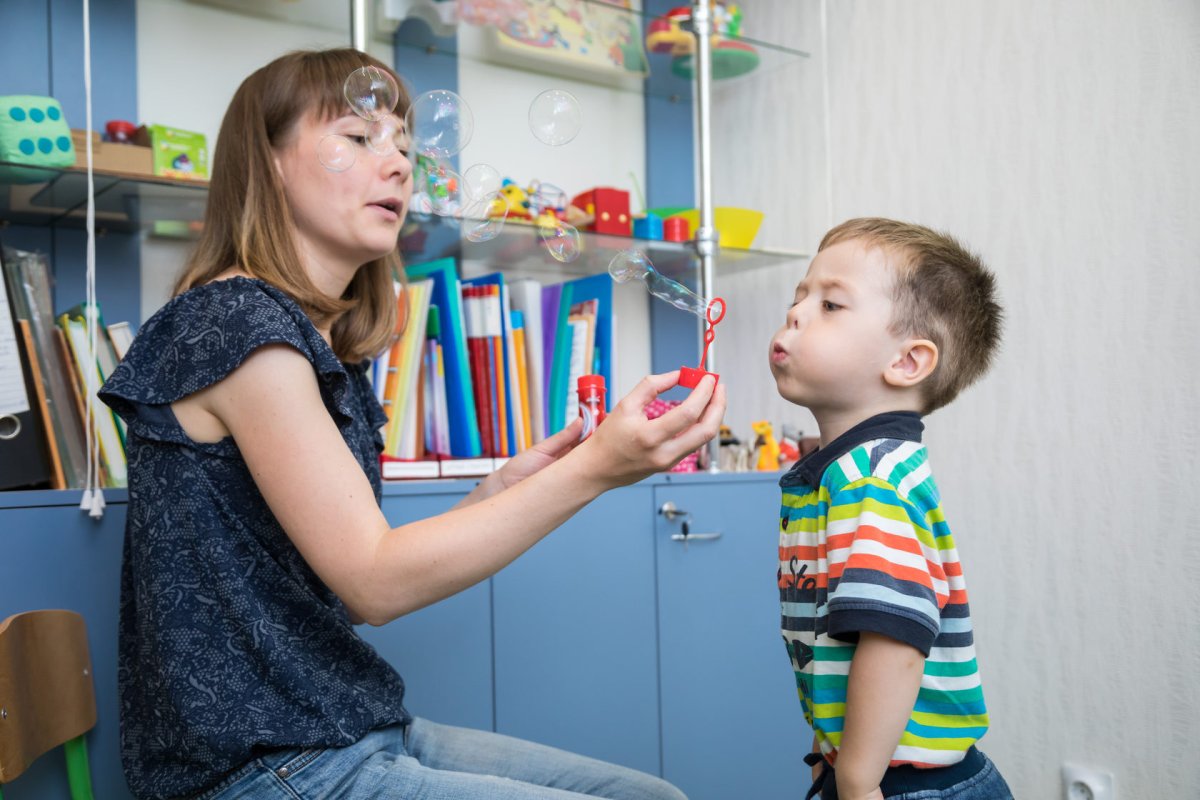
point(834, 347)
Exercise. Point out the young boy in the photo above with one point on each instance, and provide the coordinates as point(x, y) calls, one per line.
point(891, 322)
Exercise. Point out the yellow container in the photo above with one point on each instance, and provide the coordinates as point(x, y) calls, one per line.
point(737, 226)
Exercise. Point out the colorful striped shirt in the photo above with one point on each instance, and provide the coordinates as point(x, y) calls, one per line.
point(864, 546)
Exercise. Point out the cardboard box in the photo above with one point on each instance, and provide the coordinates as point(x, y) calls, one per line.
point(177, 153)
point(112, 157)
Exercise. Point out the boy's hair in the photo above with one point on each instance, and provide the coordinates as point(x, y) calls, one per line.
point(248, 222)
point(942, 292)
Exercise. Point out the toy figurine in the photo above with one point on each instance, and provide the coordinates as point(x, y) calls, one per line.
point(789, 445)
point(768, 448)
point(731, 56)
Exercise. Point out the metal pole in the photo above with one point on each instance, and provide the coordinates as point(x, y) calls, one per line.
point(706, 235)
point(358, 25)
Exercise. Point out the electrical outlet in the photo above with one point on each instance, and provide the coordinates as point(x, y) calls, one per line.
point(1087, 783)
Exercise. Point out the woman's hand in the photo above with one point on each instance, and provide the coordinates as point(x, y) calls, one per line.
point(627, 447)
point(542, 454)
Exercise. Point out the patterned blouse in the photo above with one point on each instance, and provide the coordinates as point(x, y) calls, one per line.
point(230, 646)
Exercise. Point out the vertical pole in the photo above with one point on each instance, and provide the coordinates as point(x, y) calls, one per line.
point(706, 235)
point(358, 25)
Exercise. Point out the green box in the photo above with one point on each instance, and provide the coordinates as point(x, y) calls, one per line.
point(33, 131)
point(177, 153)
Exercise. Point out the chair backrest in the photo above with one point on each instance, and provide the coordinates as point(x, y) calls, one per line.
point(46, 695)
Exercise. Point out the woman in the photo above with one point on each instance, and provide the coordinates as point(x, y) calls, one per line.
point(255, 537)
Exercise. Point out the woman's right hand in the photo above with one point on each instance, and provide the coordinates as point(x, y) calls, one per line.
point(627, 446)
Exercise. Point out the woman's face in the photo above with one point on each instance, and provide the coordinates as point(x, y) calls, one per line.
point(345, 218)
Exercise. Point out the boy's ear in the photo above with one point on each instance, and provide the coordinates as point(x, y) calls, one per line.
point(914, 363)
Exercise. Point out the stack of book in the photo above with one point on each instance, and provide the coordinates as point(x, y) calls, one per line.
point(485, 367)
point(46, 372)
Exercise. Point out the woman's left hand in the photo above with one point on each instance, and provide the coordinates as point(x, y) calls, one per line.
point(541, 455)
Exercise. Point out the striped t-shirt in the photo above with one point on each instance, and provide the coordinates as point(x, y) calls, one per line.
point(864, 546)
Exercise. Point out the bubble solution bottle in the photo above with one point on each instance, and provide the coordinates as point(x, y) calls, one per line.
point(591, 402)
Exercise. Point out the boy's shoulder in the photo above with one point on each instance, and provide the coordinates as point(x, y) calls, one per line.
point(897, 465)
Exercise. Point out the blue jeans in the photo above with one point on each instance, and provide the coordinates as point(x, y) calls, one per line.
point(985, 783)
point(427, 761)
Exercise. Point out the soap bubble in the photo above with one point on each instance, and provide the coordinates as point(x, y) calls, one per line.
point(441, 185)
point(440, 123)
point(420, 204)
point(481, 180)
point(631, 265)
point(371, 92)
point(336, 153)
point(477, 222)
point(561, 238)
point(555, 117)
point(386, 136)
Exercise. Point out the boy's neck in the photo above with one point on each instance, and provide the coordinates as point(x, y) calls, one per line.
point(832, 423)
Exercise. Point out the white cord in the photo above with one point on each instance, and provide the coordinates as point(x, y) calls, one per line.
point(828, 123)
point(93, 497)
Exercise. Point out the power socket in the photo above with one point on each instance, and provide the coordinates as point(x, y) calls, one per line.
point(1087, 783)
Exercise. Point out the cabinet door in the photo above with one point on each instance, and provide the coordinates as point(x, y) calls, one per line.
point(443, 651)
point(731, 721)
point(58, 557)
point(576, 658)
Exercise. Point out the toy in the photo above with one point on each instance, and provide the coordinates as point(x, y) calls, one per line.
point(731, 57)
point(649, 226)
point(607, 208)
point(789, 445)
point(634, 265)
point(768, 448)
point(675, 229)
point(33, 131)
point(177, 153)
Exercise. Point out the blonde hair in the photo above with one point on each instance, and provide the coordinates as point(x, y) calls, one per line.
point(942, 292)
point(248, 224)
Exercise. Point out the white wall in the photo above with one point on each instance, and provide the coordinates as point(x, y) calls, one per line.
point(1060, 141)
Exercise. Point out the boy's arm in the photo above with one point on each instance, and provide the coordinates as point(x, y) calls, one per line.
point(885, 676)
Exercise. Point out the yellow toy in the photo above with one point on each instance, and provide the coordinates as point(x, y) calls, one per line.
point(768, 454)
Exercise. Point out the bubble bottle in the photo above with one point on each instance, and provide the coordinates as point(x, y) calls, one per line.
point(592, 403)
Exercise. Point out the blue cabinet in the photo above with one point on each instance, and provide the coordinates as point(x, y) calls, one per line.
point(576, 636)
point(731, 721)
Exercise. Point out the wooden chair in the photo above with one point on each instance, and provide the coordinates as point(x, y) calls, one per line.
point(46, 695)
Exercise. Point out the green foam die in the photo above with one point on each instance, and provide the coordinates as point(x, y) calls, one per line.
point(33, 131)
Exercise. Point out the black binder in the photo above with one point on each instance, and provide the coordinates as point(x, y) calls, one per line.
point(23, 459)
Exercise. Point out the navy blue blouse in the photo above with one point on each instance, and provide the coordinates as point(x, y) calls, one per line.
point(230, 645)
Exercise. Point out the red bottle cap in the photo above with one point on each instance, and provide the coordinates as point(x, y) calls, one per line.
point(590, 382)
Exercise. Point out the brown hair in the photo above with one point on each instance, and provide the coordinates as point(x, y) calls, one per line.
point(248, 224)
point(942, 292)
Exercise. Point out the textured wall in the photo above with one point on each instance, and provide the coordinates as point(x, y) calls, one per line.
point(1060, 140)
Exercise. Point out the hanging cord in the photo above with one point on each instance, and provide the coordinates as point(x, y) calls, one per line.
point(828, 122)
point(93, 497)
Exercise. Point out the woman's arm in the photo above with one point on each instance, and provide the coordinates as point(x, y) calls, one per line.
point(885, 676)
point(319, 494)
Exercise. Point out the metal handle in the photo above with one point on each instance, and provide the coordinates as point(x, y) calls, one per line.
point(695, 537)
point(669, 511)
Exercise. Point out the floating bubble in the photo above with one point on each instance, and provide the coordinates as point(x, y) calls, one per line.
point(420, 204)
point(441, 185)
point(440, 124)
point(386, 136)
point(555, 117)
point(477, 221)
point(562, 240)
point(480, 181)
point(371, 92)
point(629, 265)
point(336, 153)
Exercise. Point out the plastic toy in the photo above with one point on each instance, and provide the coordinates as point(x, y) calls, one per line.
point(649, 226)
point(768, 448)
point(608, 210)
point(731, 57)
point(33, 131)
point(676, 229)
point(789, 445)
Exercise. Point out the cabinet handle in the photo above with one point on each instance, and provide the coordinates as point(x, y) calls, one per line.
point(695, 537)
point(669, 511)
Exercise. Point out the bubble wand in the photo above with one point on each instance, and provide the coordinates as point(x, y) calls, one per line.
point(634, 265)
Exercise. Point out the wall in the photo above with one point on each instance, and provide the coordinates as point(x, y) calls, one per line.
point(1058, 140)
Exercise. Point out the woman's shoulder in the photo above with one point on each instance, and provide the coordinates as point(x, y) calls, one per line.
point(205, 333)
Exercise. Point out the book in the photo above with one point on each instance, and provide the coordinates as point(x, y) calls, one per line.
point(57, 477)
point(401, 439)
point(518, 332)
point(112, 452)
point(480, 374)
point(460, 394)
point(527, 300)
point(121, 337)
